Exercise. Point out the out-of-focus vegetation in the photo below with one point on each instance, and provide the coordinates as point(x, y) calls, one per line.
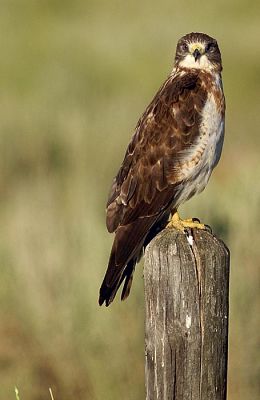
point(74, 78)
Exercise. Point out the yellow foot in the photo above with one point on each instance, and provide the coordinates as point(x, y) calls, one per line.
point(181, 224)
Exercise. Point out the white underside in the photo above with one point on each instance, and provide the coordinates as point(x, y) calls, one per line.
point(208, 146)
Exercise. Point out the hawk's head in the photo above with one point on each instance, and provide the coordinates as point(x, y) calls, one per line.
point(198, 50)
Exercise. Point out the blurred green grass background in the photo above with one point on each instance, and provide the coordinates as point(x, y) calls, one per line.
point(74, 79)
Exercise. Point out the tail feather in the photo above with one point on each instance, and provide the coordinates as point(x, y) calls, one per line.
point(128, 275)
point(107, 293)
point(126, 251)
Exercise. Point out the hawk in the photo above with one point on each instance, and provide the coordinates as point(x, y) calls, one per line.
point(176, 145)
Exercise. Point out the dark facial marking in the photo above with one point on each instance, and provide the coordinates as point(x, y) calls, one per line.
point(211, 47)
point(184, 47)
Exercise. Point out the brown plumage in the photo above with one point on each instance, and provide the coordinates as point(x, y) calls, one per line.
point(166, 155)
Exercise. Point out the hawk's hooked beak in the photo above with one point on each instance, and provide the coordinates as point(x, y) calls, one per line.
point(196, 54)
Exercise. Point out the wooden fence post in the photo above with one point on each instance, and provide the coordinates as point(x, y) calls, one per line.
point(186, 324)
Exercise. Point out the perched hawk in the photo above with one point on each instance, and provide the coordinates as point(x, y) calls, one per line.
point(176, 144)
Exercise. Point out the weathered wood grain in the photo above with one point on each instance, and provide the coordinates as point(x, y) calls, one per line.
point(186, 326)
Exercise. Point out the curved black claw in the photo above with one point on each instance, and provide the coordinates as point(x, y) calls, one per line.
point(196, 220)
point(208, 228)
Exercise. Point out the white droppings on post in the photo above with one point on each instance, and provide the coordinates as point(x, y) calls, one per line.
point(188, 321)
point(190, 240)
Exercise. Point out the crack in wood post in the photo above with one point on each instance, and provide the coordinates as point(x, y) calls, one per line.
point(197, 264)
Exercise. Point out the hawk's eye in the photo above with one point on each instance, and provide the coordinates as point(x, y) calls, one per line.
point(210, 48)
point(184, 47)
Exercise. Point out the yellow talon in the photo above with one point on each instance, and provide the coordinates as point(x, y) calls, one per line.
point(180, 224)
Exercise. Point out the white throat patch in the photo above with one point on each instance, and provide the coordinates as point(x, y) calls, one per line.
point(201, 63)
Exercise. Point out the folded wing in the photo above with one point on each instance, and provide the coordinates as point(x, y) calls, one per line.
point(144, 190)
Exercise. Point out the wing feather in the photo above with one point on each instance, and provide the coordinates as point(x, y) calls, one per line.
point(150, 178)
point(152, 161)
